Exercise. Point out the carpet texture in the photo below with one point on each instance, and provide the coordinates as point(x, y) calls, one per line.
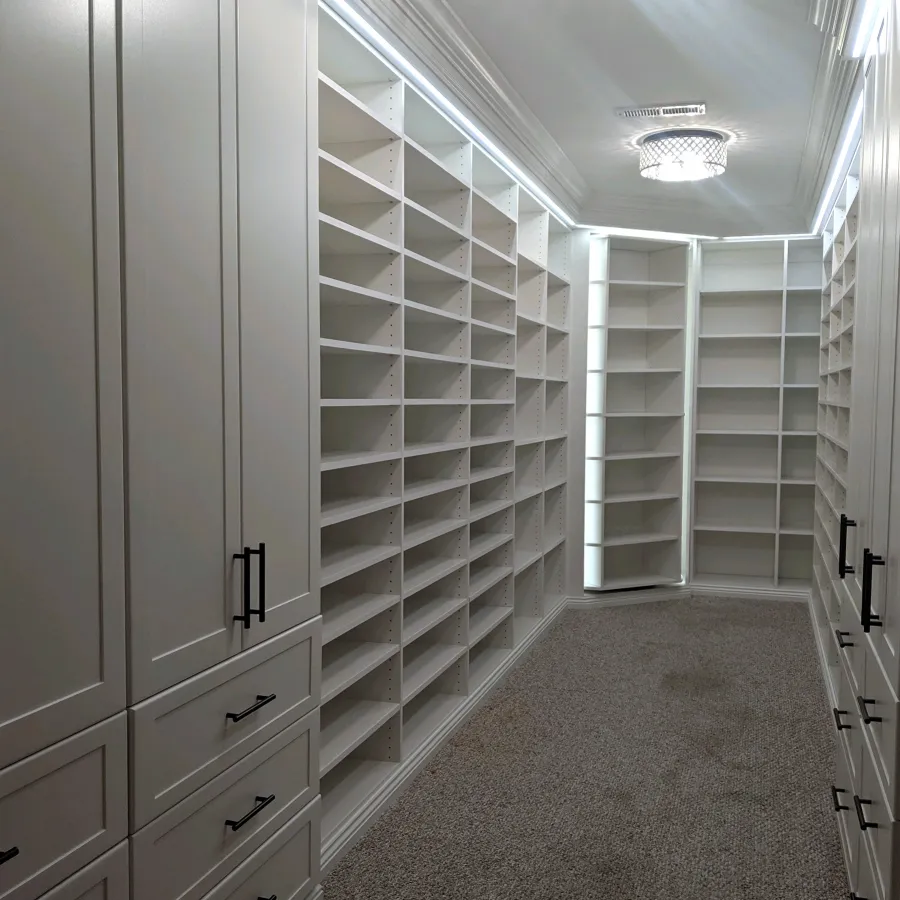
point(667, 751)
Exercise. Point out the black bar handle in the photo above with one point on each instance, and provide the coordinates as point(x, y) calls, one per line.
point(273, 897)
point(261, 612)
point(261, 804)
point(859, 804)
point(864, 712)
point(7, 855)
point(840, 635)
point(867, 618)
point(834, 799)
point(244, 617)
point(843, 568)
point(261, 701)
point(841, 726)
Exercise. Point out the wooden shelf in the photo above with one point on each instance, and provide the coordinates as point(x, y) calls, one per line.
point(349, 661)
point(346, 723)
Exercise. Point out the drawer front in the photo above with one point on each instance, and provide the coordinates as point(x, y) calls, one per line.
point(104, 879)
point(286, 866)
point(853, 651)
point(187, 735)
point(882, 709)
point(880, 833)
point(851, 732)
point(62, 808)
point(866, 883)
point(842, 797)
point(187, 850)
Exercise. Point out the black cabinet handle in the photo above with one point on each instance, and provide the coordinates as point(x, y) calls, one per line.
point(859, 804)
point(261, 804)
point(7, 855)
point(273, 897)
point(843, 568)
point(834, 799)
point(864, 713)
point(837, 719)
point(867, 618)
point(840, 635)
point(261, 701)
point(247, 612)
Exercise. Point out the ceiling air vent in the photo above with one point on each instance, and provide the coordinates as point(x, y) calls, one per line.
point(662, 112)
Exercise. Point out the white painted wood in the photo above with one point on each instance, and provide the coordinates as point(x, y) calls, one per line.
point(63, 807)
point(183, 737)
point(62, 503)
point(104, 879)
point(181, 338)
point(185, 852)
point(285, 866)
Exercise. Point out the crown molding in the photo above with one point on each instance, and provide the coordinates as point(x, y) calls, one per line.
point(437, 42)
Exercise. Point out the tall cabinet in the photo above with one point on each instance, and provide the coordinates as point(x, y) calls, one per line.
point(160, 739)
point(444, 302)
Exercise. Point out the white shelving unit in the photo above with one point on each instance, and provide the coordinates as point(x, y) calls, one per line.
point(758, 345)
point(444, 307)
point(635, 404)
point(836, 320)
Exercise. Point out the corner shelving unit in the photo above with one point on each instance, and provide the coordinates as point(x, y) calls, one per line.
point(836, 318)
point(445, 310)
point(755, 413)
point(635, 402)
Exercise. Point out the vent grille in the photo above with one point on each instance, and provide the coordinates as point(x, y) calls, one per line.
point(662, 112)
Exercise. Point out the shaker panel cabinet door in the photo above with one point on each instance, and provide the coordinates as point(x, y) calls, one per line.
point(62, 567)
point(275, 301)
point(182, 340)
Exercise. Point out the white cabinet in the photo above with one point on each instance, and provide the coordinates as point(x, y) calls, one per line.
point(216, 337)
point(62, 579)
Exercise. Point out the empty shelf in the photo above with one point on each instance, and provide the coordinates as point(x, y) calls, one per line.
point(621, 584)
point(353, 559)
point(419, 532)
point(352, 661)
point(430, 486)
point(485, 620)
point(526, 558)
point(483, 474)
point(353, 507)
point(484, 579)
point(481, 544)
point(483, 508)
point(345, 459)
point(434, 570)
point(487, 661)
point(637, 497)
point(651, 537)
point(424, 668)
point(346, 723)
point(349, 612)
point(343, 796)
point(422, 724)
point(424, 616)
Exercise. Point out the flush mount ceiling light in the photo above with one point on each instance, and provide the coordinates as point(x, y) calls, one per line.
point(683, 154)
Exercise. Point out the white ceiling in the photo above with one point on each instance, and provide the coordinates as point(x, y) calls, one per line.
point(754, 62)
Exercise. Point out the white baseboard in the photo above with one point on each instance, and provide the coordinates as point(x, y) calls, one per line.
point(627, 598)
point(390, 790)
point(748, 593)
point(821, 651)
point(317, 893)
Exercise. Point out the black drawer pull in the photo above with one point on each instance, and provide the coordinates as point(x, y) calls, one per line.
point(7, 855)
point(261, 701)
point(273, 897)
point(261, 804)
point(837, 719)
point(843, 568)
point(866, 616)
point(859, 804)
point(853, 896)
point(861, 702)
point(840, 635)
point(247, 612)
point(834, 799)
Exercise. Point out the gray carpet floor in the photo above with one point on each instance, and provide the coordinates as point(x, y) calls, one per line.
point(668, 751)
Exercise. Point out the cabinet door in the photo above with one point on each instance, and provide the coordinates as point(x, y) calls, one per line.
point(275, 307)
point(885, 534)
point(182, 337)
point(62, 578)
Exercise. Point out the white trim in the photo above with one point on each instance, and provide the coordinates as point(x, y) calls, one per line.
point(612, 599)
point(749, 593)
point(830, 698)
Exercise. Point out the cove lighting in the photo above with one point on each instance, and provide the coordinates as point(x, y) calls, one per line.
point(685, 154)
point(346, 11)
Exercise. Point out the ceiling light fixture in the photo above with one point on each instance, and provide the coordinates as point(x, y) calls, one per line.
point(683, 154)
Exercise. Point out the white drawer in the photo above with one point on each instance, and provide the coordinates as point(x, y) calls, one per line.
point(880, 833)
point(286, 866)
point(852, 642)
point(104, 879)
point(866, 884)
point(878, 703)
point(190, 733)
point(848, 726)
point(184, 853)
point(62, 808)
point(842, 798)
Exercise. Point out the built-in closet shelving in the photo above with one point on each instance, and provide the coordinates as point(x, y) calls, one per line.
point(444, 306)
point(837, 319)
point(754, 420)
point(635, 422)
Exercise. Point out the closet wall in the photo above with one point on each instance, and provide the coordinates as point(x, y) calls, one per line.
point(161, 642)
point(446, 303)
